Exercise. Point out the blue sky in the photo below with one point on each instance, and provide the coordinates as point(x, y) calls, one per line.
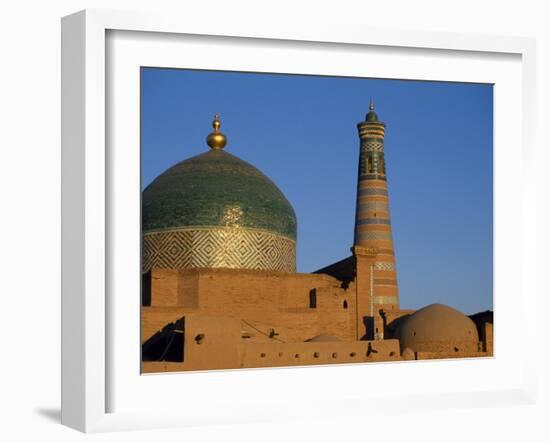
point(301, 132)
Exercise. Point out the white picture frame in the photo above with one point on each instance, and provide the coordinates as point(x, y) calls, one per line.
point(87, 211)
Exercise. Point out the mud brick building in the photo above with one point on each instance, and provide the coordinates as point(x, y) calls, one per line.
point(220, 288)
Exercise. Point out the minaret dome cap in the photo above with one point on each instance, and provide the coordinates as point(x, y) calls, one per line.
point(371, 116)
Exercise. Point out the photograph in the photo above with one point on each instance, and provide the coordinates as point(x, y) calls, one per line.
point(235, 220)
point(299, 220)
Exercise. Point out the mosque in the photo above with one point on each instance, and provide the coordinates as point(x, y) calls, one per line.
point(220, 288)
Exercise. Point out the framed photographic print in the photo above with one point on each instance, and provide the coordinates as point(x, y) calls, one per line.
point(252, 213)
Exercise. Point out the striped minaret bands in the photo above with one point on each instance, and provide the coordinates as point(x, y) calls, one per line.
point(372, 219)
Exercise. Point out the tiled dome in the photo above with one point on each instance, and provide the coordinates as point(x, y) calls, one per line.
point(216, 189)
point(217, 211)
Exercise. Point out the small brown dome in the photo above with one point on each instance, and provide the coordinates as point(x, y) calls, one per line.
point(438, 327)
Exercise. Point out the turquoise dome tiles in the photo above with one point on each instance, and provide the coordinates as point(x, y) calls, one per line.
point(216, 189)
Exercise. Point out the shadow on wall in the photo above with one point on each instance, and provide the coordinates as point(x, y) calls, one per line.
point(166, 344)
point(480, 319)
point(392, 327)
point(368, 323)
point(146, 289)
point(372, 329)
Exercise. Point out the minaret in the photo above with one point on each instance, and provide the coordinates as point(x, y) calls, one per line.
point(373, 235)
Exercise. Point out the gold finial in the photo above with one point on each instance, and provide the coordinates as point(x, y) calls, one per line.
point(371, 106)
point(216, 140)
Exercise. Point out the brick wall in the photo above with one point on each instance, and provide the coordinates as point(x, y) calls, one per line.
point(267, 300)
point(274, 354)
point(314, 353)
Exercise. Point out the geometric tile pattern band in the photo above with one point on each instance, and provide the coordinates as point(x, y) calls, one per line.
point(374, 236)
point(372, 191)
point(387, 266)
point(372, 145)
point(375, 206)
point(385, 300)
point(372, 176)
point(218, 247)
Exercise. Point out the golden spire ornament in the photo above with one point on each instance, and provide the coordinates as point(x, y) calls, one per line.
point(216, 140)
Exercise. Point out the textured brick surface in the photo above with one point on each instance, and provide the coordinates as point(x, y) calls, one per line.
point(265, 300)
